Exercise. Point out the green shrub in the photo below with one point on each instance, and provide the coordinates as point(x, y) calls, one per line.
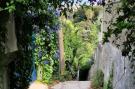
point(98, 80)
point(109, 84)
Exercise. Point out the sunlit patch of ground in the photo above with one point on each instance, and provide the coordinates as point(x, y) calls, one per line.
point(38, 85)
point(73, 85)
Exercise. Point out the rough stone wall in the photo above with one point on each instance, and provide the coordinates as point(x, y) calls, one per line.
point(108, 57)
point(11, 43)
point(4, 78)
point(1, 79)
point(11, 46)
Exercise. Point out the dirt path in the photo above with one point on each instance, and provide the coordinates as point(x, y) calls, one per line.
point(73, 85)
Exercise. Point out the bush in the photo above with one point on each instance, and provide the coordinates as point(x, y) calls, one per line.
point(98, 80)
point(109, 84)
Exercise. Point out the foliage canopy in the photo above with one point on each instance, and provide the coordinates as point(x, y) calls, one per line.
point(80, 37)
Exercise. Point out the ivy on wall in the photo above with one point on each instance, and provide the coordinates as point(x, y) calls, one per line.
point(124, 22)
point(44, 47)
point(27, 15)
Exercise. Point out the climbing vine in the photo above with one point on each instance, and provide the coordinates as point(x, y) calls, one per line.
point(43, 53)
point(125, 21)
point(29, 14)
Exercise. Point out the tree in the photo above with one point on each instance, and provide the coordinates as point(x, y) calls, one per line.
point(80, 38)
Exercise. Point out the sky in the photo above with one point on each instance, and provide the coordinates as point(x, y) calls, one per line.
point(82, 1)
point(87, 2)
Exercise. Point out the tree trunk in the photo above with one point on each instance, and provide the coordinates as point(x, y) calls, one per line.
point(61, 49)
point(78, 73)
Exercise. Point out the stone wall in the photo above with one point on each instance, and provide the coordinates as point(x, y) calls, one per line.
point(11, 43)
point(4, 83)
point(11, 47)
point(1, 79)
point(108, 57)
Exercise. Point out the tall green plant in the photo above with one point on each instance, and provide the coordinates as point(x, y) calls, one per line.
point(43, 54)
point(98, 80)
point(80, 39)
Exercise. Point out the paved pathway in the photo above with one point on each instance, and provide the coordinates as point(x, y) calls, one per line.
point(73, 85)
